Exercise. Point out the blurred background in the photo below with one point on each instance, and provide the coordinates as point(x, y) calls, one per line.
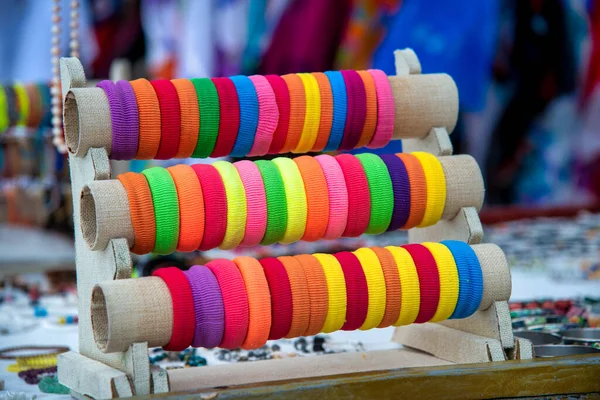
point(527, 71)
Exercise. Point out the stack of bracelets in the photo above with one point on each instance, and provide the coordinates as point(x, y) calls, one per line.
point(245, 302)
point(224, 205)
point(249, 116)
point(24, 105)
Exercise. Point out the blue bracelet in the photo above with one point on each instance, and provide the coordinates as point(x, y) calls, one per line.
point(248, 115)
point(340, 104)
point(469, 276)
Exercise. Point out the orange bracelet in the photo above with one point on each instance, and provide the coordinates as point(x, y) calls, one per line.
point(297, 111)
point(300, 296)
point(191, 207)
point(418, 189)
point(149, 115)
point(318, 294)
point(317, 198)
point(259, 302)
point(371, 119)
point(142, 211)
point(393, 289)
point(190, 117)
point(326, 111)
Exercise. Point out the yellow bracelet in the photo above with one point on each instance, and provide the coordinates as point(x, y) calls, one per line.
point(295, 195)
point(376, 286)
point(436, 188)
point(449, 284)
point(336, 287)
point(409, 283)
point(3, 110)
point(236, 205)
point(23, 103)
point(312, 116)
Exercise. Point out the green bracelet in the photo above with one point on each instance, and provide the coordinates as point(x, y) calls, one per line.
point(166, 209)
point(382, 192)
point(208, 103)
point(276, 202)
point(3, 111)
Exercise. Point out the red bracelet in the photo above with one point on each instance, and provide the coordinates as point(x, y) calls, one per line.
point(429, 281)
point(357, 109)
point(229, 123)
point(184, 317)
point(170, 119)
point(235, 302)
point(282, 97)
point(281, 297)
point(215, 205)
point(357, 291)
point(359, 197)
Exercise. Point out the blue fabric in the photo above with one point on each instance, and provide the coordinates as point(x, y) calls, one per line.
point(340, 104)
point(248, 100)
point(453, 37)
point(470, 278)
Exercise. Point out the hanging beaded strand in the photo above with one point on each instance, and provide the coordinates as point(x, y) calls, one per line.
point(57, 132)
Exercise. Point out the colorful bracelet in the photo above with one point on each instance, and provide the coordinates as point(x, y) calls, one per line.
point(317, 197)
point(184, 317)
point(297, 111)
point(235, 302)
point(281, 297)
point(209, 106)
point(357, 291)
point(268, 116)
point(259, 302)
point(429, 281)
point(191, 207)
point(170, 119)
point(208, 307)
point(277, 214)
point(336, 287)
point(371, 106)
point(142, 211)
point(376, 287)
point(338, 196)
point(357, 110)
point(340, 109)
point(236, 205)
point(131, 121)
point(470, 278)
point(120, 143)
point(295, 198)
point(190, 117)
point(386, 110)
point(300, 296)
point(166, 209)
point(256, 216)
point(215, 205)
point(282, 97)
point(4, 120)
point(393, 289)
point(436, 188)
point(229, 117)
point(23, 102)
point(418, 189)
point(401, 189)
point(359, 198)
point(318, 293)
point(449, 284)
point(248, 115)
point(326, 118)
point(312, 115)
point(149, 118)
point(409, 283)
point(381, 192)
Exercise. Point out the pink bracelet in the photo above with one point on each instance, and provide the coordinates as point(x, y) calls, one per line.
point(256, 217)
point(338, 196)
point(386, 110)
point(268, 116)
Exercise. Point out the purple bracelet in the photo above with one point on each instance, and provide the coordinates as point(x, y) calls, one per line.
point(208, 305)
point(401, 187)
point(131, 123)
point(357, 109)
point(117, 118)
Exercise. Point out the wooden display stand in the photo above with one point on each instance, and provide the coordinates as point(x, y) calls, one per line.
point(484, 337)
